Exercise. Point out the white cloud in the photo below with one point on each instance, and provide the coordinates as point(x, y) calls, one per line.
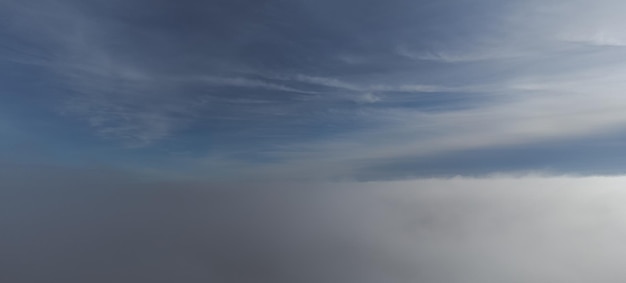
point(243, 82)
point(549, 90)
point(329, 82)
point(369, 98)
point(485, 54)
point(362, 87)
point(554, 108)
point(500, 229)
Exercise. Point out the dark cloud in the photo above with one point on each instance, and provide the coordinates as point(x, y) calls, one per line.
point(88, 226)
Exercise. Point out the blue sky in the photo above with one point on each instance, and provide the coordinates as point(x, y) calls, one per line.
point(323, 89)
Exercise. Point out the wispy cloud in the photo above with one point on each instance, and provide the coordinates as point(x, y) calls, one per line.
point(552, 107)
point(121, 98)
point(336, 83)
point(244, 83)
point(116, 97)
point(519, 75)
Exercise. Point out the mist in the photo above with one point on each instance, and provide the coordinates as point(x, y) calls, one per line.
point(68, 225)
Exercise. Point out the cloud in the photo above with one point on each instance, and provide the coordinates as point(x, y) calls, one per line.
point(462, 57)
point(103, 225)
point(535, 88)
point(103, 87)
point(249, 83)
point(529, 120)
point(336, 83)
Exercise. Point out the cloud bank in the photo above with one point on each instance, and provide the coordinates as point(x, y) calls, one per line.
point(68, 225)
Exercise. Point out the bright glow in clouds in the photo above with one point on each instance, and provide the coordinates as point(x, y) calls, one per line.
point(497, 229)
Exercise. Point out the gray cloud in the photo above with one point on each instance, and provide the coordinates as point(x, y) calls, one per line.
point(103, 225)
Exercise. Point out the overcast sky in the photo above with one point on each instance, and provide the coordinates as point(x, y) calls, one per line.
point(104, 226)
point(312, 141)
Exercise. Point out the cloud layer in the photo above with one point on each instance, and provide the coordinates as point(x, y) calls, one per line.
point(101, 226)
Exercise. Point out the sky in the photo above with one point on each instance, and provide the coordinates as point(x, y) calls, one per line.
point(324, 90)
point(240, 141)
